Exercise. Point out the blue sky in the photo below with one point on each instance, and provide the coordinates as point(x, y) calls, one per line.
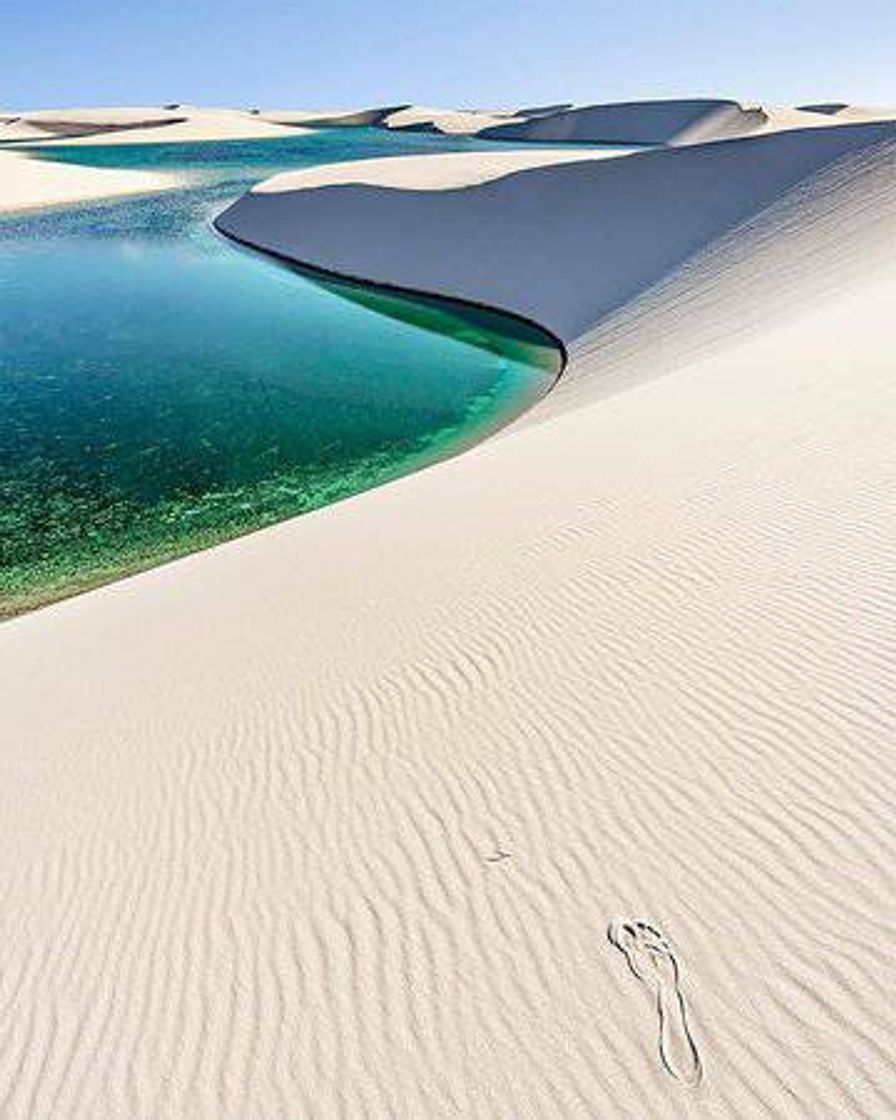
point(491, 52)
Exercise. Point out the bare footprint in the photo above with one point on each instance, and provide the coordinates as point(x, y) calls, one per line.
point(651, 959)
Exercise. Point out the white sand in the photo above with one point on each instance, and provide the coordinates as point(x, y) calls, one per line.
point(677, 121)
point(27, 184)
point(333, 820)
point(141, 124)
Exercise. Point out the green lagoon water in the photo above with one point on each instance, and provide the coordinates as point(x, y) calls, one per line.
point(162, 390)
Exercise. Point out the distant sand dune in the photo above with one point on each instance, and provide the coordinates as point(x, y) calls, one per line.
point(132, 125)
point(842, 112)
point(66, 129)
point(624, 123)
point(644, 644)
point(420, 118)
point(333, 118)
point(828, 108)
point(637, 122)
point(31, 183)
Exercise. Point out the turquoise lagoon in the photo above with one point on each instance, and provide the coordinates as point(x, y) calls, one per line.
point(162, 390)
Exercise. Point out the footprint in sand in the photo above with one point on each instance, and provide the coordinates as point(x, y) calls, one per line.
point(651, 959)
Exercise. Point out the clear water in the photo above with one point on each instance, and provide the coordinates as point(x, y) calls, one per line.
point(162, 390)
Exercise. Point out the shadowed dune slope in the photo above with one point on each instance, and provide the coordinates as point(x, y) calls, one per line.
point(827, 108)
point(70, 129)
point(596, 232)
point(636, 122)
point(336, 118)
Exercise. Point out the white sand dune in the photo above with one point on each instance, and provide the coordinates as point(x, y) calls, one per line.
point(399, 118)
point(421, 239)
point(422, 118)
point(681, 121)
point(140, 124)
point(330, 118)
point(407, 118)
point(423, 804)
point(87, 121)
point(436, 172)
point(636, 122)
point(31, 183)
point(672, 122)
point(451, 122)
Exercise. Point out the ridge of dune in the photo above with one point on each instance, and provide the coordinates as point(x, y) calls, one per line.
point(555, 781)
point(433, 171)
point(329, 118)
